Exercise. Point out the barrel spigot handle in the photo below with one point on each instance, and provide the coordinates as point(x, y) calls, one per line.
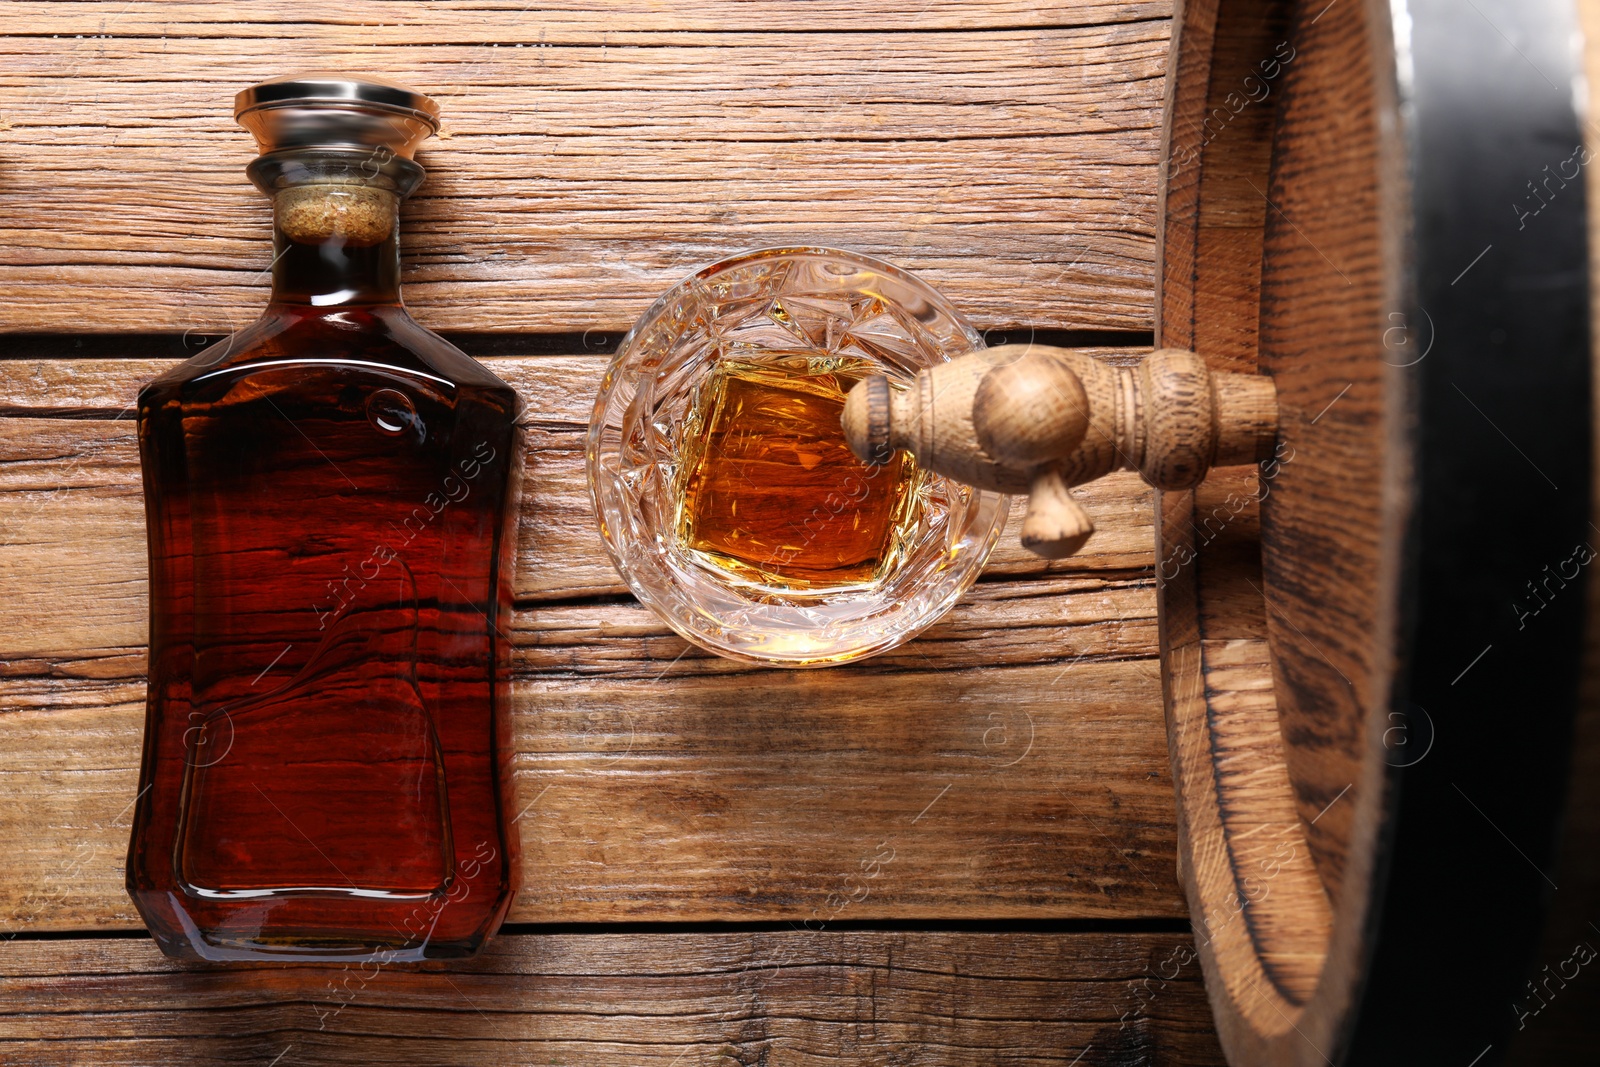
point(1039, 420)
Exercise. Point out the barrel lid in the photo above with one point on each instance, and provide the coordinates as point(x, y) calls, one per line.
point(1381, 779)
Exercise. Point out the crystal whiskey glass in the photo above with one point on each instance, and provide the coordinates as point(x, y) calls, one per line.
point(726, 493)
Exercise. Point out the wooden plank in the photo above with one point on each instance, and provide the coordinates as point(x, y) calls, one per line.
point(580, 176)
point(68, 451)
point(1012, 758)
point(797, 999)
point(510, 22)
point(995, 792)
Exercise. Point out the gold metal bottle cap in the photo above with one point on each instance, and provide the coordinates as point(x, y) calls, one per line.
point(336, 111)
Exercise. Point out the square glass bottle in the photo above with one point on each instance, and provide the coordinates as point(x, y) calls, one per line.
point(331, 500)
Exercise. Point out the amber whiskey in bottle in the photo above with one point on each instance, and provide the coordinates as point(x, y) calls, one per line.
point(331, 503)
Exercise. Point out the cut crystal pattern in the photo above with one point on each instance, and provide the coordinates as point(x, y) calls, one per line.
point(840, 310)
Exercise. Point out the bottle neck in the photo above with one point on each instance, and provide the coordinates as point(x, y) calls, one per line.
point(335, 244)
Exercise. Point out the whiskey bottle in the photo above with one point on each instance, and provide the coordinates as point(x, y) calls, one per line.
point(331, 505)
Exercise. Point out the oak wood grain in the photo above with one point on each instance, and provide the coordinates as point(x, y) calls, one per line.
point(1278, 252)
point(1010, 761)
point(1011, 757)
point(591, 158)
point(1042, 419)
point(507, 22)
point(70, 456)
point(1329, 288)
point(806, 998)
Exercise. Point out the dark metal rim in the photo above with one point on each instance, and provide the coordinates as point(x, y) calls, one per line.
point(1502, 444)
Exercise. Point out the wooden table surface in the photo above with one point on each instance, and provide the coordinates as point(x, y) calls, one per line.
point(961, 852)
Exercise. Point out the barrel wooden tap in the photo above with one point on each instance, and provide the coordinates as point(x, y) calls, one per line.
point(1038, 420)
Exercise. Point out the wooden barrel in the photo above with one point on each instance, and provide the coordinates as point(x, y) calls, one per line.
point(1383, 740)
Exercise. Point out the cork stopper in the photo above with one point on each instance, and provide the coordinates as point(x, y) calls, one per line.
point(321, 211)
